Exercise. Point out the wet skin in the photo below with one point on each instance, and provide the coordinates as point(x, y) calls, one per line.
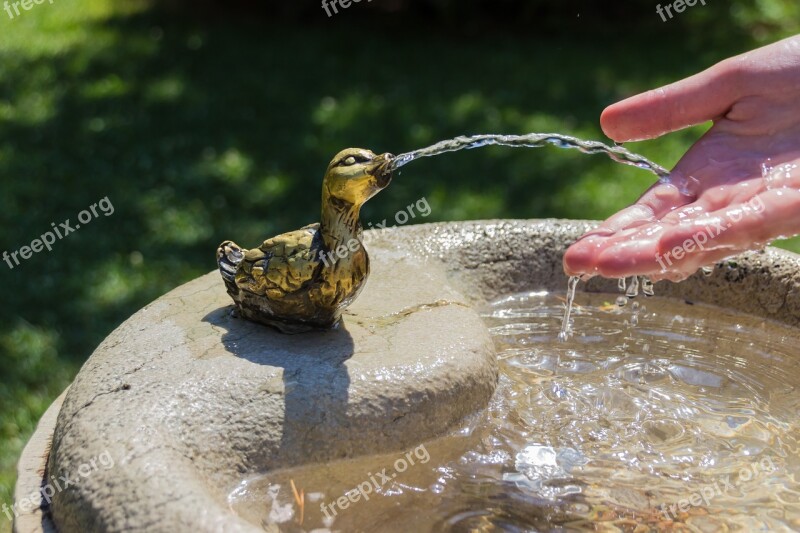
point(718, 186)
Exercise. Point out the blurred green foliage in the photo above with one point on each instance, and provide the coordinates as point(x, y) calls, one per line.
point(207, 121)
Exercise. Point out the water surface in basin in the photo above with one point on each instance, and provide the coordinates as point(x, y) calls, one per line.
point(687, 421)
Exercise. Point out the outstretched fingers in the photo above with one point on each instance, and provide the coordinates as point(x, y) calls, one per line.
point(694, 100)
point(676, 250)
point(655, 203)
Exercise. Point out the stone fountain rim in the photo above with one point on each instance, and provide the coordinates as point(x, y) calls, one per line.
point(34, 457)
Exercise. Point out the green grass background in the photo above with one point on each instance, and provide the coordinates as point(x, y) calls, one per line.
point(205, 124)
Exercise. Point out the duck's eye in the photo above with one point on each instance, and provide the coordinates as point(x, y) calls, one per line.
point(349, 161)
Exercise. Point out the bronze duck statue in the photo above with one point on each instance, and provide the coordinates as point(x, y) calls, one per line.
point(303, 280)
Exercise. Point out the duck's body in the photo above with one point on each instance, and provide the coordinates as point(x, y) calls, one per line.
point(304, 279)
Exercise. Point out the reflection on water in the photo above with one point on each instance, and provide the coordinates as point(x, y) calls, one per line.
point(684, 422)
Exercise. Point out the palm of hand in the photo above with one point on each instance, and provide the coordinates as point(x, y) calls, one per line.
point(736, 189)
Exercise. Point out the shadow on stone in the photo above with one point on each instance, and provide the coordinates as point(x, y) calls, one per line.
point(315, 378)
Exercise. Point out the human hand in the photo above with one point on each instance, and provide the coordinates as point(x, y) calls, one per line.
point(719, 201)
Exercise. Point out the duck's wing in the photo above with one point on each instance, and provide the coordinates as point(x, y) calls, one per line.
point(282, 264)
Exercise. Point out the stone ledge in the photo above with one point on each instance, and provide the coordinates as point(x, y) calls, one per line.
point(188, 399)
point(180, 449)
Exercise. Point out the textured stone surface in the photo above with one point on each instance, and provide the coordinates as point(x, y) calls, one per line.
point(491, 259)
point(188, 401)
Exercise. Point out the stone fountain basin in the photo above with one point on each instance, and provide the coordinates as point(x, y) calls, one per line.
point(186, 400)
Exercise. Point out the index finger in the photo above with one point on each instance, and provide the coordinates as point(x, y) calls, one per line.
point(694, 100)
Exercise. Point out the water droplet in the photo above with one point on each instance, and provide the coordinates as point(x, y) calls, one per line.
point(766, 168)
point(635, 308)
point(633, 288)
point(559, 391)
point(622, 301)
point(779, 177)
point(647, 287)
point(622, 285)
point(687, 185)
point(437, 488)
point(707, 271)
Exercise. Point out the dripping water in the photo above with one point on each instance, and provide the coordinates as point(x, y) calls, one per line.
point(635, 310)
point(647, 287)
point(633, 288)
point(572, 285)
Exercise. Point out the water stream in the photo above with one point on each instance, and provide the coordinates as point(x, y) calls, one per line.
point(566, 327)
point(537, 140)
point(533, 140)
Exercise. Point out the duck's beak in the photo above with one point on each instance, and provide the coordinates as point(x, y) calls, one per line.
point(383, 169)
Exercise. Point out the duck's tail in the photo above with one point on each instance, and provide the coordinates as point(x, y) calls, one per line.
point(229, 257)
